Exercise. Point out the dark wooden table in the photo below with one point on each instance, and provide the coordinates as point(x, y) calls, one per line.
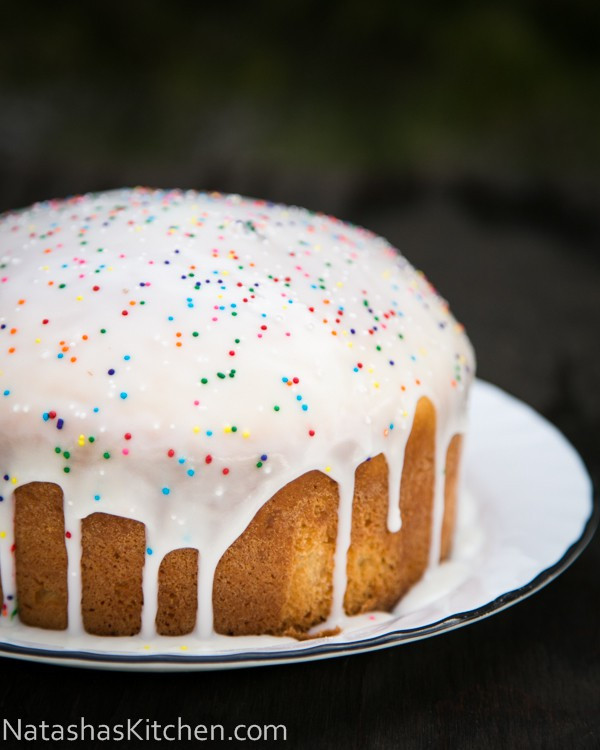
point(528, 677)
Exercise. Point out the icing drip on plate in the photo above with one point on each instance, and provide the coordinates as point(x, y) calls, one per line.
point(178, 357)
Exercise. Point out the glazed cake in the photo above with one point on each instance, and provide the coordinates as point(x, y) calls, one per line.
point(218, 414)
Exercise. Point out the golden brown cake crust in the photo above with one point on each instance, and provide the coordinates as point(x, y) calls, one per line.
point(277, 576)
point(450, 494)
point(177, 592)
point(382, 565)
point(112, 562)
point(41, 555)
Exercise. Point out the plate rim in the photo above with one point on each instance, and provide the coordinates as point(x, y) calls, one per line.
point(327, 649)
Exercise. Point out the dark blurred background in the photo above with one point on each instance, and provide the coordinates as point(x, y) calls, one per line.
point(467, 133)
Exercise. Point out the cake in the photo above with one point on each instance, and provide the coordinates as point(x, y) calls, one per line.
point(218, 414)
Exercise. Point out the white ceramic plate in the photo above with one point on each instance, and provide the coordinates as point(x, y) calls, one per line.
point(527, 511)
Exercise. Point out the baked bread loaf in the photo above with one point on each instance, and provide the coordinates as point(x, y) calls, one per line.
point(218, 414)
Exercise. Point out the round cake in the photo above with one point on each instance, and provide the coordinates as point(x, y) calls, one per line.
point(218, 414)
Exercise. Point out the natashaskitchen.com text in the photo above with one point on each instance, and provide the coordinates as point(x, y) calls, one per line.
point(138, 730)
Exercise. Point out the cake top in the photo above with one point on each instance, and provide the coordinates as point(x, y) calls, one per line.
point(192, 345)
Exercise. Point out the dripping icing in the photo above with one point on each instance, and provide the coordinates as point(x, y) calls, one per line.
point(73, 526)
point(394, 457)
point(340, 569)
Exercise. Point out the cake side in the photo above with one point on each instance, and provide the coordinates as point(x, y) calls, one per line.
point(41, 575)
point(276, 578)
point(112, 561)
point(177, 592)
point(382, 565)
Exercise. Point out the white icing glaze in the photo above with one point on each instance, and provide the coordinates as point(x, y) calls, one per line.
point(346, 495)
point(114, 307)
point(74, 573)
point(7, 560)
point(394, 457)
point(446, 577)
